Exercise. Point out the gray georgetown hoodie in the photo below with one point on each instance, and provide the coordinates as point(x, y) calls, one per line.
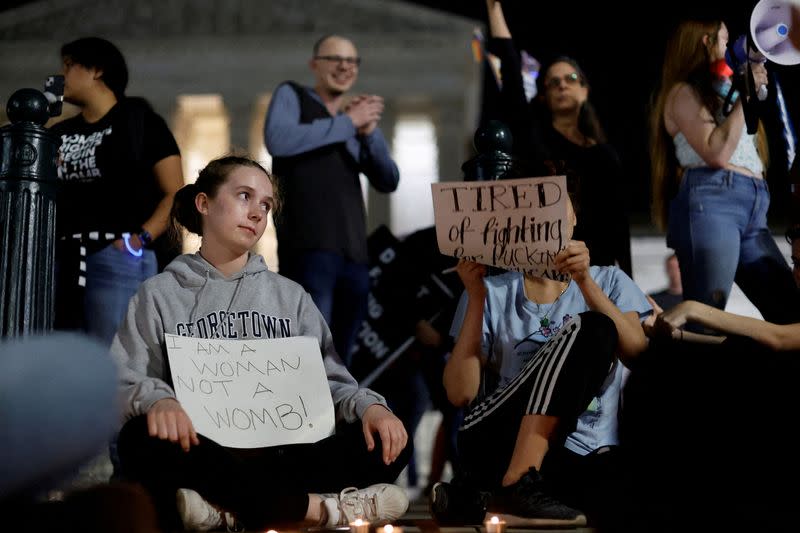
point(193, 299)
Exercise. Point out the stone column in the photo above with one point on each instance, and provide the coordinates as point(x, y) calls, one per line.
point(268, 245)
point(258, 112)
point(451, 138)
point(240, 115)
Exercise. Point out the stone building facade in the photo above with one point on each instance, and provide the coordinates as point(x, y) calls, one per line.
point(208, 67)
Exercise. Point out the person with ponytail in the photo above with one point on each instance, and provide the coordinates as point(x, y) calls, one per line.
point(217, 486)
point(708, 186)
point(118, 170)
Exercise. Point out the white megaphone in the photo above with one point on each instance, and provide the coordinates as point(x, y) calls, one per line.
point(770, 25)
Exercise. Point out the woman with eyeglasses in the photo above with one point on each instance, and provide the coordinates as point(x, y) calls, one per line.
point(558, 130)
point(709, 191)
point(539, 362)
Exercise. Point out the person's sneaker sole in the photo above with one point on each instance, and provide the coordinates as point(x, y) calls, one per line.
point(521, 521)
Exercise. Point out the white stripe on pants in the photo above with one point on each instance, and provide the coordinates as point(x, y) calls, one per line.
point(545, 366)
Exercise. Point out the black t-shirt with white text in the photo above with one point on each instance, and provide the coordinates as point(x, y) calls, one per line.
point(105, 175)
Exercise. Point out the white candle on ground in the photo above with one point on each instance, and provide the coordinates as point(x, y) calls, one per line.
point(495, 525)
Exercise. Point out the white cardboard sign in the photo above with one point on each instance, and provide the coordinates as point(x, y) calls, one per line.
point(518, 224)
point(254, 393)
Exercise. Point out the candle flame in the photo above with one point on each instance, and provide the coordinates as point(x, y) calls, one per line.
point(272, 531)
point(495, 520)
point(359, 522)
point(388, 528)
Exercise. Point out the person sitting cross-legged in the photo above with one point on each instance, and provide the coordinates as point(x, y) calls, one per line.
point(217, 486)
point(538, 362)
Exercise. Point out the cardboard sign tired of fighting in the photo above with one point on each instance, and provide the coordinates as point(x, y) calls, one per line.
point(254, 393)
point(518, 224)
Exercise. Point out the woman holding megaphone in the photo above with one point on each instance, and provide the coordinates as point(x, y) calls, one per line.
point(709, 191)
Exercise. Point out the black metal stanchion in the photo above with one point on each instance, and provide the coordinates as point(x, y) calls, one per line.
point(494, 161)
point(28, 173)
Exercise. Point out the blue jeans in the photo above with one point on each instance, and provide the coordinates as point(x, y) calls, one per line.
point(112, 278)
point(339, 288)
point(718, 229)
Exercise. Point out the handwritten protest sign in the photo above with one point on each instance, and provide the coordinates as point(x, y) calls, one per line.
point(254, 393)
point(518, 224)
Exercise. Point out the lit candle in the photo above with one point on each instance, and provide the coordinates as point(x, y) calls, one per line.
point(271, 531)
point(359, 526)
point(389, 528)
point(495, 525)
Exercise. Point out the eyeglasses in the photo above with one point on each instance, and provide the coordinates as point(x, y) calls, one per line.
point(349, 61)
point(570, 79)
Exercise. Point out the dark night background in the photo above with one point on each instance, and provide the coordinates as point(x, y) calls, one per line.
point(623, 63)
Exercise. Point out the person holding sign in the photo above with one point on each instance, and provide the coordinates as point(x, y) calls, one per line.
point(224, 295)
point(709, 191)
point(538, 363)
point(560, 128)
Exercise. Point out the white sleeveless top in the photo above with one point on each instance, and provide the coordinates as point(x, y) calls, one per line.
point(745, 155)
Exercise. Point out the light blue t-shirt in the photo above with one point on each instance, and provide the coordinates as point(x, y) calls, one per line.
point(513, 333)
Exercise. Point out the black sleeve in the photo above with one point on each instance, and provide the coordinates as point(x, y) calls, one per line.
point(512, 92)
point(621, 233)
point(514, 109)
point(623, 242)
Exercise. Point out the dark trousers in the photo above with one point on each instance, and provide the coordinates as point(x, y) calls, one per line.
point(708, 432)
point(569, 370)
point(339, 288)
point(261, 487)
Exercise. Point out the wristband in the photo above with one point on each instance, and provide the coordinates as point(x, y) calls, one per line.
point(145, 237)
point(126, 238)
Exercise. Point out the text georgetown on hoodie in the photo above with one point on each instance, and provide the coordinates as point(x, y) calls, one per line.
point(193, 299)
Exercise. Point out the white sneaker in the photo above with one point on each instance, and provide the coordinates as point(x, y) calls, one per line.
point(378, 504)
point(199, 515)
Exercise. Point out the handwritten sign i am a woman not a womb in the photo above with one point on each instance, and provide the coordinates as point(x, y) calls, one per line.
point(253, 393)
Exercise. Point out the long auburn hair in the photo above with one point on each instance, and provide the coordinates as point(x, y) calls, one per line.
point(687, 60)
